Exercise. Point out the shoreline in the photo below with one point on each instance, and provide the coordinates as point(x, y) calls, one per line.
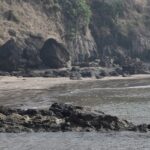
point(12, 83)
point(16, 120)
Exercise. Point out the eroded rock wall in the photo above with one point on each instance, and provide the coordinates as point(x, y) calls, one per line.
point(46, 19)
point(117, 29)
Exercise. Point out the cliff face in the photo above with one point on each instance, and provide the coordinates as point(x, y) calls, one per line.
point(121, 28)
point(22, 19)
point(116, 28)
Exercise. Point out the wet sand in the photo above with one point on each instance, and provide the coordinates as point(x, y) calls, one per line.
point(112, 95)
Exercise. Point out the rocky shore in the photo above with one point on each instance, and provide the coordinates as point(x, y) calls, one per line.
point(77, 72)
point(62, 117)
point(48, 43)
point(53, 60)
point(74, 73)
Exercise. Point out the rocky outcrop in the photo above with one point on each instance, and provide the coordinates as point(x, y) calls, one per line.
point(62, 117)
point(21, 54)
point(32, 53)
point(10, 54)
point(54, 54)
point(47, 18)
point(133, 66)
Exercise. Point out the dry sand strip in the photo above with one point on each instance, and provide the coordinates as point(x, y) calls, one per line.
point(12, 83)
point(31, 83)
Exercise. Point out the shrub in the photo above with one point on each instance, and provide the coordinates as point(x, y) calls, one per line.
point(77, 12)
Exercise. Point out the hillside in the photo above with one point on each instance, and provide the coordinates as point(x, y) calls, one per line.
point(56, 33)
point(122, 27)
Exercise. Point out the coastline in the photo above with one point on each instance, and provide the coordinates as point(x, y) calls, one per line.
point(35, 119)
point(10, 83)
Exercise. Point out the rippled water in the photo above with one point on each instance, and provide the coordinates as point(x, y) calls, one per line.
point(75, 141)
point(128, 99)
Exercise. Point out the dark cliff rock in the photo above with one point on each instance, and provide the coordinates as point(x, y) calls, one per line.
point(54, 54)
point(18, 54)
point(30, 54)
point(10, 55)
point(31, 51)
point(116, 31)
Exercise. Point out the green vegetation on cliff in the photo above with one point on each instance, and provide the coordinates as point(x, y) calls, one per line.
point(78, 14)
point(108, 12)
point(104, 24)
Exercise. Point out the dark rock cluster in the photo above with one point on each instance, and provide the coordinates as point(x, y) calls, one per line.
point(22, 57)
point(72, 73)
point(62, 117)
point(33, 52)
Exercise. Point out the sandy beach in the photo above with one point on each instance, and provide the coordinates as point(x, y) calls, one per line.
point(12, 83)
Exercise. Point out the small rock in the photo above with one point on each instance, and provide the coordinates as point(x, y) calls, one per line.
point(75, 76)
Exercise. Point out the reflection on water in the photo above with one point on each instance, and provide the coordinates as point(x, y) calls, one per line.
point(128, 99)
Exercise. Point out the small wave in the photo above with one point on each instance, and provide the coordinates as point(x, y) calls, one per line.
point(122, 88)
point(108, 88)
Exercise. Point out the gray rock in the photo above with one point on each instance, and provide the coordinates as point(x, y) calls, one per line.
point(75, 76)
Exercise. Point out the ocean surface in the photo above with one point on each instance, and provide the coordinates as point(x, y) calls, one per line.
point(128, 99)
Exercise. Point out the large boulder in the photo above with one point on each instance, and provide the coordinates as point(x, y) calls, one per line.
point(54, 54)
point(21, 54)
point(133, 66)
point(10, 55)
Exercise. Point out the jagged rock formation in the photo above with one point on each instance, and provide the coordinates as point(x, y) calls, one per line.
point(62, 117)
point(117, 30)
